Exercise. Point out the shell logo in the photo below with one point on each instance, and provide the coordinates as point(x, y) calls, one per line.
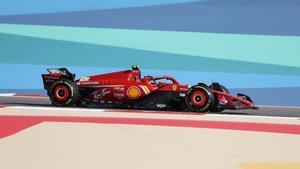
point(133, 92)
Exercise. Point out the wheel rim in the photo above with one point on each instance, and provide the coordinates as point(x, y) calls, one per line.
point(61, 93)
point(198, 98)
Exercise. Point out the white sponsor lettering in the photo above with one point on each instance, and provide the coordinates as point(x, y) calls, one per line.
point(119, 95)
point(182, 95)
point(223, 101)
point(88, 83)
point(99, 94)
point(119, 88)
point(82, 79)
point(161, 105)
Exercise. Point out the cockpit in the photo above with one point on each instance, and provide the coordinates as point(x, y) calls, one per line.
point(161, 81)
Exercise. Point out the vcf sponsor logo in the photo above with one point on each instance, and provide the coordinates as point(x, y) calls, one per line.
point(99, 94)
point(161, 105)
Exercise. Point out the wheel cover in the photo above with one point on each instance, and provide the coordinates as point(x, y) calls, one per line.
point(198, 98)
point(61, 93)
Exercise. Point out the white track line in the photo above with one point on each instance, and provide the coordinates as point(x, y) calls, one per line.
point(253, 116)
point(152, 113)
point(270, 106)
point(7, 94)
point(86, 112)
point(31, 97)
point(56, 108)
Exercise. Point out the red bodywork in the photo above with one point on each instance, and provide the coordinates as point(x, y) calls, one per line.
point(233, 102)
point(127, 87)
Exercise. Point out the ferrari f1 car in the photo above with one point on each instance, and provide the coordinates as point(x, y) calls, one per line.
point(127, 89)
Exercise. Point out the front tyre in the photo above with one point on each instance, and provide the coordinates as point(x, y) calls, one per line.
point(221, 88)
point(63, 93)
point(199, 98)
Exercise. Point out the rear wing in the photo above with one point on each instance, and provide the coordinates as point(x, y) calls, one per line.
point(56, 74)
point(63, 71)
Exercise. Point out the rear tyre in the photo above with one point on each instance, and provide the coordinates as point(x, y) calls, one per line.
point(199, 98)
point(63, 93)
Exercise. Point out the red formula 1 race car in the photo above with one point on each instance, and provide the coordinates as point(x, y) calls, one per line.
point(127, 89)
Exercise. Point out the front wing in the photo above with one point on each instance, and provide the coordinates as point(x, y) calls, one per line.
point(228, 101)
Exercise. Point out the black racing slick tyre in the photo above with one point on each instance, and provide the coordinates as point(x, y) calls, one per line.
point(221, 88)
point(225, 90)
point(199, 98)
point(63, 93)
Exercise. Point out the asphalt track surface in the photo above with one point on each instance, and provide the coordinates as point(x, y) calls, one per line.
point(264, 110)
